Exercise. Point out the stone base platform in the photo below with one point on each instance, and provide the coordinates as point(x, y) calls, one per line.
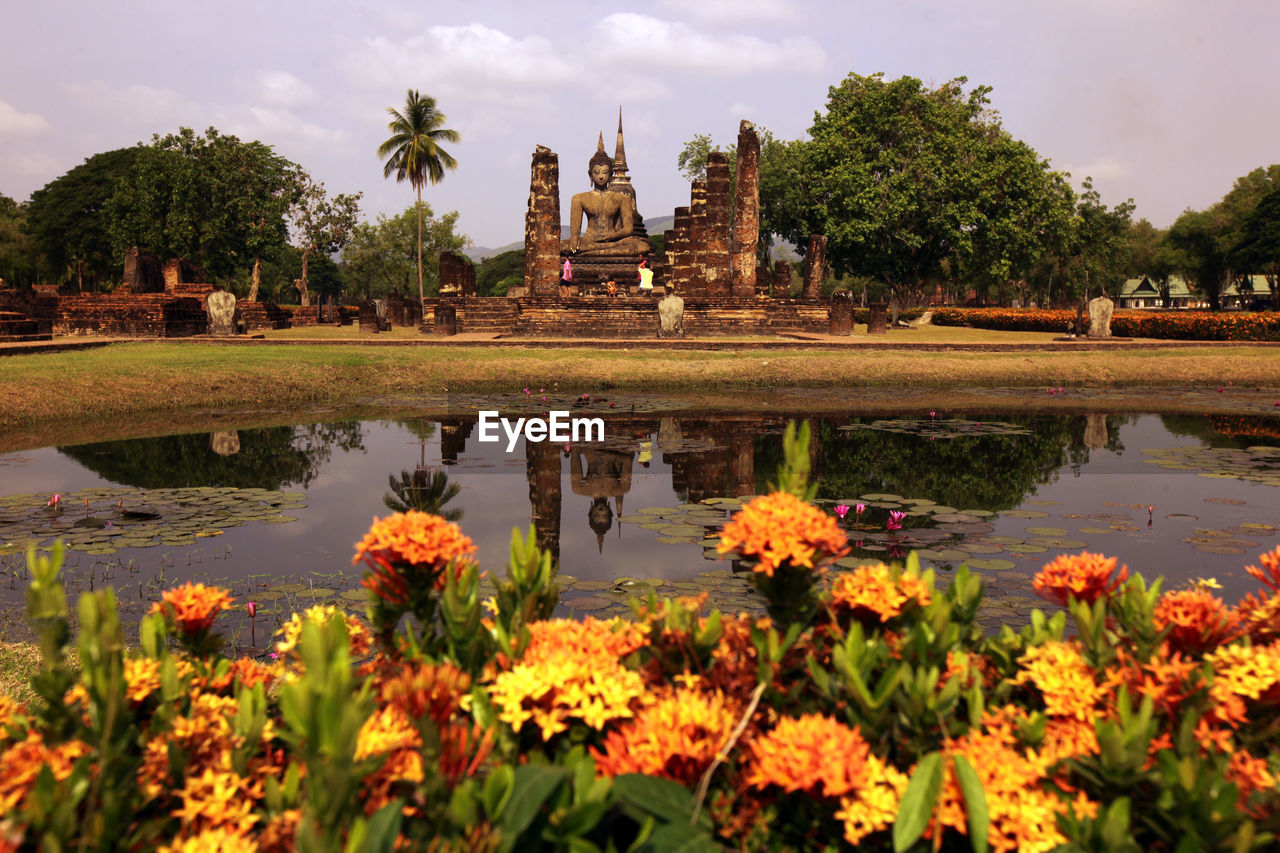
point(629, 316)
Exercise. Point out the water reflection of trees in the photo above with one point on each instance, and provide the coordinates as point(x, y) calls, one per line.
point(991, 472)
point(1227, 431)
point(268, 458)
point(424, 489)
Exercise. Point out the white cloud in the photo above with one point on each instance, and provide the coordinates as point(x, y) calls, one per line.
point(1103, 169)
point(733, 11)
point(158, 108)
point(473, 61)
point(675, 46)
point(740, 110)
point(278, 126)
point(15, 123)
point(282, 89)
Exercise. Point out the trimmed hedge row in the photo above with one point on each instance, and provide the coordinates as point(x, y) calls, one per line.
point(1180, 325)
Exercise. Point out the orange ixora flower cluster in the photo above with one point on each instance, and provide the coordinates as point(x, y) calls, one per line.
point(677, 737)
point(781, 530)
point(878, 593)
point(1084, 577)
point(192, 606)
point(1023, 815)
point(1065, 680)
point(411, 548)
point(1197, 621)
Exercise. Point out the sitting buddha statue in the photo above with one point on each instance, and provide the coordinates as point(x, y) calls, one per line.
point(611, 216)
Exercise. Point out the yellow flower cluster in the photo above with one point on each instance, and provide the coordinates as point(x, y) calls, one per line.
point(874, 805)
point(386, 731)
point(781, 530)
point(358, 636)
point(141, 678)
point(1064, 679)
point(1251, 672)
point(558, 690)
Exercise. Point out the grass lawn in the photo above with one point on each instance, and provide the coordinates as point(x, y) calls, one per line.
point(69, 396)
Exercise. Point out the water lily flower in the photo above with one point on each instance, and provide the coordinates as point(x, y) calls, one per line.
point(932, 415)
point(859, 508)
point(526, 392)
point(56, 500)
point(895, 520)
point(841, 511)
point(253, 609)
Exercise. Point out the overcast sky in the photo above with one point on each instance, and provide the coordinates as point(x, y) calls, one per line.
point(1164, 101)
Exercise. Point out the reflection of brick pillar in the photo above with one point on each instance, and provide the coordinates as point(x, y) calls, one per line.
point(542, 225)
point(815, 266)
point(678, 251)
point(746, 213)
point(453, 438)
point(742, 464)
point(716, 246)
point(697, 238)
point(542, 467)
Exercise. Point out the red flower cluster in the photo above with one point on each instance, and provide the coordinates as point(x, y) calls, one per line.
point(1085, 577)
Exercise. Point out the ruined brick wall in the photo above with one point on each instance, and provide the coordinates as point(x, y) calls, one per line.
point(542, 225)
point(143, 272)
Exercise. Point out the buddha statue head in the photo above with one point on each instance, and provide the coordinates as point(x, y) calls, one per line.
point(600, 167)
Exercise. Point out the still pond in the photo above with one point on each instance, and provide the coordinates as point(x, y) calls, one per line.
point(274, 513)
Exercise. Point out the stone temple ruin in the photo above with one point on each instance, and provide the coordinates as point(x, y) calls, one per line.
point(711, 260)
point(708, 283)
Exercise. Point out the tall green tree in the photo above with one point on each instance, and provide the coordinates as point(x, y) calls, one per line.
point(1257, 249)
point(379, 258)
point(17, 252)
point(322, 225)
point(1198, 237)
point(413, 152)
point(213, 199)
point(67, 218)
point(907, 181)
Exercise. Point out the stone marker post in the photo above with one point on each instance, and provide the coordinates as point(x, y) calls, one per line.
point(542, 225)
point(1100, 317)
point(221, 308)
point(878, 322)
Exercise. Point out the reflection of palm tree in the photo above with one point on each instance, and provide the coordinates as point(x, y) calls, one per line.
point(423, 489)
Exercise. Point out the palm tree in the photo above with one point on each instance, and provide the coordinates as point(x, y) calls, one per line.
point(423, 489)
point(413, 152)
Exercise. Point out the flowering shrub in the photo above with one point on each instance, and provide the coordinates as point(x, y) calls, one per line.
point(1128, 323)
point(885, 719)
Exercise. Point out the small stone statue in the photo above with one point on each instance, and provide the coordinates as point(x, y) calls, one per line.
point(610, 219)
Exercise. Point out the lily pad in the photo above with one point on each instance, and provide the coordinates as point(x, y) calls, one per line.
point(1023, 513)
point(588, 603)
point(990, 565)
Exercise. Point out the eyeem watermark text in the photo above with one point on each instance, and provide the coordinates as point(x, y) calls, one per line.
point(558, 426)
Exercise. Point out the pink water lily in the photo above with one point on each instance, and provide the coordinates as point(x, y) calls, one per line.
point(841, 511)
point(860, 508)
point(253, 609)
point(895, 520)
point(55, 501)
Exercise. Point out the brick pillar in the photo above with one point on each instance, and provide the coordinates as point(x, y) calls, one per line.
point(781, 279)
point(697, 238)
point(451, 274)
point(172, 274)
point(716, 251)
point(542, 225)
point(746, 214)
point(815, 266)
point(469, 279)
point(678, 251)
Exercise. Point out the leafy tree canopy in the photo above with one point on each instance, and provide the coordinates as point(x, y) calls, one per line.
point(500, 272)
point(66, 217)
point(322, 225)
point(381, 256)
point(17, 253)
point(907, 181)
point(211, 199)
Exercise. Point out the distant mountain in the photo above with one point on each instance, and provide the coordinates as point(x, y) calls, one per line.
point(782, 250)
